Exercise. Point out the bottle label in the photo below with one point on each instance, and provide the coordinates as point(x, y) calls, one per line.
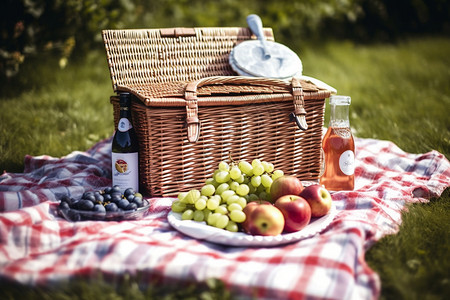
point(125, 170)
point(347, 162)
point(124, 125)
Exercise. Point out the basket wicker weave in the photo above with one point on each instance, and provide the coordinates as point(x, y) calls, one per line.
point(191, 111)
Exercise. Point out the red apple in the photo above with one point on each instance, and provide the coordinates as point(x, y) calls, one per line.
point(296, 212)
point(318, 198)
point(263, 219)
point(285, 185)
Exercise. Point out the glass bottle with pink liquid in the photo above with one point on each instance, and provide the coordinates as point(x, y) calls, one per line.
point(339, 147)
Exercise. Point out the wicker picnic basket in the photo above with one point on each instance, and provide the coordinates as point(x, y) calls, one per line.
point(191, 111)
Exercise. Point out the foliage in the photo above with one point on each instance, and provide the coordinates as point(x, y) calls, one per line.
point(29, 27)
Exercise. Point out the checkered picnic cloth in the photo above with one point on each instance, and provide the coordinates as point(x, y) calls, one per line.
point(37, 247)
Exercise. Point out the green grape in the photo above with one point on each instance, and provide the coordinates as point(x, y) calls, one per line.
point(192, 196)
point(252, 197)
point(263, 196)
point(212, 203)
point(246, 167)
point(242, 190)
point(178, 206)
point(232, 227)
point(222, 176)
point(227, 194)
point(199, 216)
point(266, 180)
point(237, 216)
point(257, 166)
point(256, 180)
point(200, 204)
point(234, 206)
point(232, 199)
point(235, 172)
point(208, 190)
point(233, 185)
point(242, 202)
point(222, 188)
point(268, 167)
point(223, 166)
point(221, 210)
point(212, 181)
point(187, 215)
point(241, 179)
point(206, 213)
point(222, 221)
point(251, 189)
point(212, 218)
point(182, 195)
point(276, 174)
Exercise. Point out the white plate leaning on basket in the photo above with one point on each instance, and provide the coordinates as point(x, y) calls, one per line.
point(201, 231)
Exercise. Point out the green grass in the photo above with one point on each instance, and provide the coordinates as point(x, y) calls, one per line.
point(399, 92)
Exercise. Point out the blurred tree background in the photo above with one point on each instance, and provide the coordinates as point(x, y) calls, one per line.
point(70, 28)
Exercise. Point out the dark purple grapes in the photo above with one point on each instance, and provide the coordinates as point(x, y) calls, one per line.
point(100, 203)
point(99, 208)
point(131, 206)
point(123, 204)
point(86, 204)
point(111, 207)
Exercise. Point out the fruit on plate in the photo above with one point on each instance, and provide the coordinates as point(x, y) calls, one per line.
point(221, 201)
point(248, 209)
point(264, 219)
point(296, 212)
point(319, 199)
point(101, 202)
point(285, 185)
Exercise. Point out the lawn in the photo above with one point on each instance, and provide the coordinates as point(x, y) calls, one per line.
point(400, 92)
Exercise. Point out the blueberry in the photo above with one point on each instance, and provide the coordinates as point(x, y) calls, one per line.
point(75, 204)
point(128, 191)
point(108, 190)
point(89, 197)
point(131, 206)
point(130, 197)
point(99, 208)
point(64, 205)
point(116, 188)
point(139, 202)
point(85, 204)
point(123, 203)
point(107, 197)
point(99, 198)
point(116, 197)
point(111, 207)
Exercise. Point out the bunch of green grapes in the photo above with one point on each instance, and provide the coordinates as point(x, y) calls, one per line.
point(221, 200)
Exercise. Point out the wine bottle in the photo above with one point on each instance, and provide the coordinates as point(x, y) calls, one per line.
point(125, 149)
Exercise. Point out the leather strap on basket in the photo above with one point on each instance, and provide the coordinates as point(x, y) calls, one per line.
point(299, 115)
point(192, 121)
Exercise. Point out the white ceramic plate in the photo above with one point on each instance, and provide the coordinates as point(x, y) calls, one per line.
point(201, 231)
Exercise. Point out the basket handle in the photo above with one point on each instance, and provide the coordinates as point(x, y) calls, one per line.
point(192, 121)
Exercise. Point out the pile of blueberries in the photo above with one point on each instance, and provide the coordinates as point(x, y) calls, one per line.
point(110, 199)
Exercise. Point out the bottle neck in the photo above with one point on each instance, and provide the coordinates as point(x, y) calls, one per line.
point(339, 115)
point(125, 112)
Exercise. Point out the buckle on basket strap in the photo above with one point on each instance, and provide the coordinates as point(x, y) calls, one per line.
point(299, 114)
point(192, 121)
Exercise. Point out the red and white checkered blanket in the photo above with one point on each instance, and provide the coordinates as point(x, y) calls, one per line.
point(38, 247)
